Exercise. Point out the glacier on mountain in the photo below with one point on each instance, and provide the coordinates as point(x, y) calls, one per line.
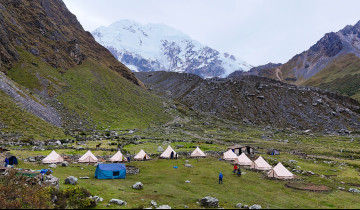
point(158, 47)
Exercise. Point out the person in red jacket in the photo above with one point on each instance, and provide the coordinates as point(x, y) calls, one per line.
point(235, 168)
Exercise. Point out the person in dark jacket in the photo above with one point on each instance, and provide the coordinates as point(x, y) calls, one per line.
point(220, 178)
point(238, 172)
point(6, 162)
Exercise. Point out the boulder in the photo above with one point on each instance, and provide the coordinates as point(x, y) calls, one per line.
point(187, 181)
point(32, 159)
point(138, 186)
point(71, 180)
point(164, 207)
point(52, 165)
point(239, 205)
point(354, 190)
point(58, 142)
point(255, 206)
point(65, 164)
point(118, 202)
point(96, 198)
point(188, 165)
point(136, 137)
point(209, 201)
point(52, 181)
point(153, 203)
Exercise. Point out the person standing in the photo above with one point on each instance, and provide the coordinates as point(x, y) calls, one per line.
point(6, 162)
point(220, 178)
point(235, 168)
point(239, 172)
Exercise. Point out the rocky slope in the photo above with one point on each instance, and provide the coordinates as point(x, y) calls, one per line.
point(257, 100)
point(255, 70)
point(331, 63)
point(47, 29)
point(333, 45)
point(55, 78)
point(155, 47)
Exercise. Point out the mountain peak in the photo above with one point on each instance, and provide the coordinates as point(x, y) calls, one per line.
point(156, 46)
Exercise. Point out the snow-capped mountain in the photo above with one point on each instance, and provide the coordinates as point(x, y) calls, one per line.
point(158, 47)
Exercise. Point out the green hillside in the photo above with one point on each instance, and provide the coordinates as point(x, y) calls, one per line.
point(342, 75)
point(109, 99)
point(91, 96)
point(15, 120)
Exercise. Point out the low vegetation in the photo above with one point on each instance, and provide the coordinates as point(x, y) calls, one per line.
point(330, 162)
point(20, 192)
point(342, 75)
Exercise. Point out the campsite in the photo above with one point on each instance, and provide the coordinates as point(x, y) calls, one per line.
point(166, 185)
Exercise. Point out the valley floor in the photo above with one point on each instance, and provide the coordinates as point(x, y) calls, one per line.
point(319, 160)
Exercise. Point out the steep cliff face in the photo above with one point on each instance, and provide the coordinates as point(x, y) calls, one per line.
point(157, 47)
point(258, 100)
point(47, 29)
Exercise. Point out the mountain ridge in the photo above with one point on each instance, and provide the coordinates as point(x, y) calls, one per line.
point(314, 66)
point(60, 80)
point(258, 100)
point(154, 47)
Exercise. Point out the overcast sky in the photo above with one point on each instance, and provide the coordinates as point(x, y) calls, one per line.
point(257, 31)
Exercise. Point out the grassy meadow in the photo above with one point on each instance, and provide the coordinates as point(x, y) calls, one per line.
point(332, 159)
point(166, 185)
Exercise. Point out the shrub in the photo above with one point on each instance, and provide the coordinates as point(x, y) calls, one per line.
point(73, 197)
point(23, 192)
point(18, 192)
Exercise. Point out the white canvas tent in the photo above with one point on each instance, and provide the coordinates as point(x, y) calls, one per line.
point(53, 157)
point(118, 157)
point(169, 153)
point(280, 172)
point(229, 155)
point(197, 153)
point(243, 160)
point(88, 157)
point(142, 156)
point(261, 164)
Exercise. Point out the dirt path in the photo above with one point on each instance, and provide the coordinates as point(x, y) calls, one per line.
point(277, 72)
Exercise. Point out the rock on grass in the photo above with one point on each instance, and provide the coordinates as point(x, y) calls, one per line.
point(118, 202)
point(209, 201)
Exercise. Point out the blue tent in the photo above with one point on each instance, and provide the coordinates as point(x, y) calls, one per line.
point(110, 171)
